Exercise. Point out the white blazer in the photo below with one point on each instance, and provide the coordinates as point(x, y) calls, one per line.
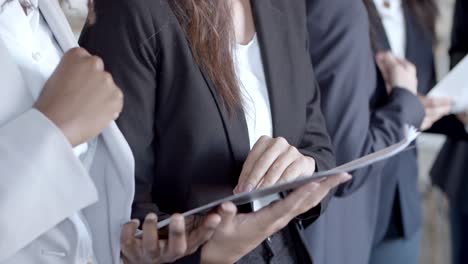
point(42, 182)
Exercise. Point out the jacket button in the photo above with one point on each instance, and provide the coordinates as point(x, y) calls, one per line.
point(36, 56)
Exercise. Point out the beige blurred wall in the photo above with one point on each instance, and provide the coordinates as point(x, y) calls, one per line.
point(436, 244)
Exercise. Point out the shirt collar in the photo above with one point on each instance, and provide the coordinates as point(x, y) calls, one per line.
point(388, 7)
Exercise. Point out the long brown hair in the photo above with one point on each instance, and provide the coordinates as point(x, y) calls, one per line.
point(209, 29)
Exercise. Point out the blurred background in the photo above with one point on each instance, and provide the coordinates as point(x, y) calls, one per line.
point(436, 240)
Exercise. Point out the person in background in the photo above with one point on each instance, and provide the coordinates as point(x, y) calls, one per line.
point(220, 98)
point(67, 173)
point(450, 167)
point(407, 28)
point(361, 116)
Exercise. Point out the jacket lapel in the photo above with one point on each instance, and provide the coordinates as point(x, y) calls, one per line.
point(58, 24)
point(419, 52)
point(117, 145)
point(410, 33)
point(382, 41)
point(235, 127)
point(270, 32)
point(413, 37)
point(273, 39)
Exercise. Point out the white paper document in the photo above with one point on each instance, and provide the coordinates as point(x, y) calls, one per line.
point(244, 198)
point(454, 86)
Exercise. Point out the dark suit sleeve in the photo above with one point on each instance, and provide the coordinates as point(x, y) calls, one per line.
point(343, 61)
point(316, 144)
point(316, 141)
point(122, 38)
point(125, 37)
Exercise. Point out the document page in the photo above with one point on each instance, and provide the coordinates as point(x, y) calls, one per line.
point(454, 86)
point(410, 135)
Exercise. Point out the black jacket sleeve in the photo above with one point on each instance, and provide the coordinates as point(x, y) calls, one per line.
point(344, 64)
point(323, 155)
point(123, 37)
point(316, 142)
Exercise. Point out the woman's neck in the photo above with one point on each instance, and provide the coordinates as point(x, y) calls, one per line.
point(243, 22)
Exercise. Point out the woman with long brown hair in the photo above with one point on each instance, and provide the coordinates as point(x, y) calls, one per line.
point(407, 28)
point(220, 98)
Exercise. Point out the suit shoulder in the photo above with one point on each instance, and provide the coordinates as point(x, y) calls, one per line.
point(338, 18)
point(131, 21)
point(292, 8)
point(140, 13)
point(339, 10)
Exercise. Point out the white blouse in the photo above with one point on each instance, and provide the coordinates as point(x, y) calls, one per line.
point(255, 99)
point(393, 20)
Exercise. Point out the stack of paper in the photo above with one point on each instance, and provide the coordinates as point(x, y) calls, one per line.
point(410, 135)
point(454, 86)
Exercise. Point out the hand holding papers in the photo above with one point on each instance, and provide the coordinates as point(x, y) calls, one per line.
point(244, 198)
point(454, 86)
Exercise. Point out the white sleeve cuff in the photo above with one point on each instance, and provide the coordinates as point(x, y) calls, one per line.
point(42, 180)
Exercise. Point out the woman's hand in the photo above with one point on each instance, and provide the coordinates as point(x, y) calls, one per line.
point(80, 97)
point(239, 234)
point(397, 72)
point(435, 109)
point(272, 160)
point(151, 250)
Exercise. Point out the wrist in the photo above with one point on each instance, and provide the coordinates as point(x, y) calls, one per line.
point(69, 132)
point(211, 257)
point(64, 127)
point(207, 257)
point(66, 132)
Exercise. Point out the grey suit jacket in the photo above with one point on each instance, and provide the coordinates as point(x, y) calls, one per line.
point(361, 118)
point(42, 181)
point(400, 212)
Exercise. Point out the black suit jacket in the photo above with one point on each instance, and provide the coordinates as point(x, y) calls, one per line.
point(188, 149)
point(361, 118)
point(449, 170)
point(400, 213)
